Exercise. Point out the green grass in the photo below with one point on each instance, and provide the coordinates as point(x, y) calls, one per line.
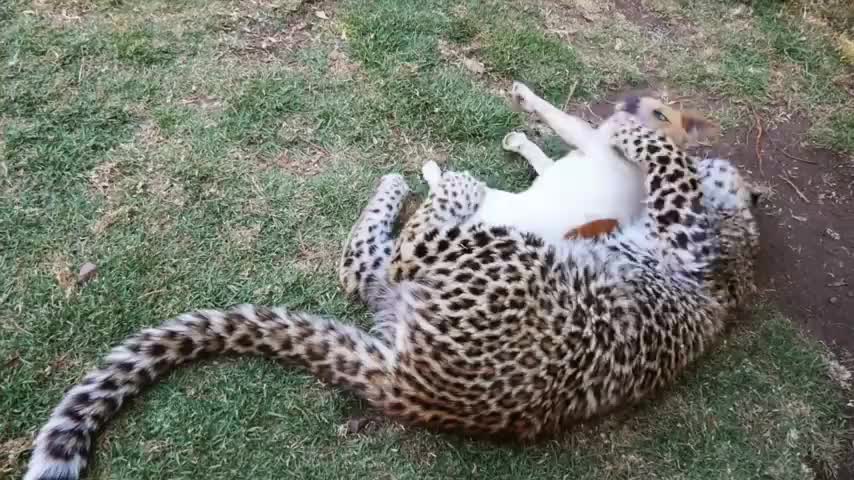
point(518, 53)
point(140, 138)
point(746, 70)
point(838, 133)
point(145, 47)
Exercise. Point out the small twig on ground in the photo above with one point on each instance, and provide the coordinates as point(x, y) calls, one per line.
point(785, 152)
point(571, 93)
point(811, 162)
point(594, 113)
point(80, 72)
point(758, 139)
point(795, 188)
point(680, 100)
point(153, 292)
point(322, 150)
point(258, 189)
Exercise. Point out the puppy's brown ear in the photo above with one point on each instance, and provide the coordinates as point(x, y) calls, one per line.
point(698, 127)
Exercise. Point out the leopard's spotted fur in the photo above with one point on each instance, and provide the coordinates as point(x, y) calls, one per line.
point(480, 330)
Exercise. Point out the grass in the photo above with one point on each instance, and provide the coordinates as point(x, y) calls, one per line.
point(217, 160)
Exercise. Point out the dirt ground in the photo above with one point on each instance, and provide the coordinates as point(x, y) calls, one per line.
point(807, 233)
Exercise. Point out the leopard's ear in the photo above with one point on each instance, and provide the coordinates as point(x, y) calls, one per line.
point(629, 105)
point(698, 128)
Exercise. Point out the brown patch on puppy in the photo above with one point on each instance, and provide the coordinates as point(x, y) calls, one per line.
point(592, 229)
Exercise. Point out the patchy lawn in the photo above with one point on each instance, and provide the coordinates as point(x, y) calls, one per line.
point(206, 153)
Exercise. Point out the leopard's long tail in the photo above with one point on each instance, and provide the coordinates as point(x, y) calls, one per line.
point(336, 353)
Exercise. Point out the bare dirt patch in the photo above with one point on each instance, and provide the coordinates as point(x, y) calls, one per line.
point(303, 164)
point(59, 266)
point(108, 181)
point(263, 31)
point(297, 127)
point(316, 257)
point(265, 42)
point(243, 237)
point(10, 453)
point(340, 64)
point(61, 13)
point(204, 103)
point(163, 188)
point(807, 227)
point(103, 178)
point(418, 152)
point(114, 182)
point(645, 16)
point(462, 55)
point(309, 160)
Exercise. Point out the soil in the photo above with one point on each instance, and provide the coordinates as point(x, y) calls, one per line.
point(806, 263)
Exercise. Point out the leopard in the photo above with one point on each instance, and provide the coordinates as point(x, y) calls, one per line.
point(478, 330)
point(589, 191)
